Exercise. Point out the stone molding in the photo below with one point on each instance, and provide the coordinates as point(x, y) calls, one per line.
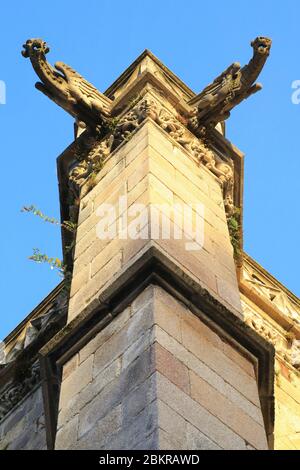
point(16, 390)
point(20, 369)
point(155, 268)
point(82, 100)
point(92, 151)
point(48, 314)
point(280, 322)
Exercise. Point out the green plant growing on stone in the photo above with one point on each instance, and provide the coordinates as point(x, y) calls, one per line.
point(53, 262)
point(113, 124)
point(234, 227)
point(67, 224)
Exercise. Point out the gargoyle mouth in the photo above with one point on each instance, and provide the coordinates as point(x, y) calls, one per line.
point(262, 45)
point(35, 46)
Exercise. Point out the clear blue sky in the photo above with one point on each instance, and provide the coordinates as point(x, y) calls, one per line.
point(197, 40)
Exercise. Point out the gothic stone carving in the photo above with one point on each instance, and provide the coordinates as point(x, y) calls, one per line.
point(287, 349)
point(92, 151)
point(91, 154)
point(272, 293)
point(104, 133)
point(67, 88)
point(17, 390)
point(26, 374)
point(35, 327)
point(295, 354)
point(235, 84)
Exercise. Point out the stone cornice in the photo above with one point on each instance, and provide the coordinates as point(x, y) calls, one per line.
point(137, 66)
point(280, 303)
point(79, 168)
point(92, 152)
point(155, 268)
point(20, 371)
point(270, 278)
point(273, 311)
point(41, 310)
point(142, 81)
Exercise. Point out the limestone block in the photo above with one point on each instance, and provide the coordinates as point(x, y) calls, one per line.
point(228, 412)
point(198, 416)
point(209, 375)
point(221, 364)
point(104, 335)
point(174, 380)
point(76, 381)
point(67, 436)
point(174, 427)
point(88, 393)
point(172, 368)
point(145, 171)
point(196, 440)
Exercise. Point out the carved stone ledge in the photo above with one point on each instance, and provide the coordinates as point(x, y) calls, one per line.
point(34, 328)
point(270, 289)
point(18, 389)
point(288, 351)
point(20, 369)
point(92, 151)
point(68, 88)
point(235, 84)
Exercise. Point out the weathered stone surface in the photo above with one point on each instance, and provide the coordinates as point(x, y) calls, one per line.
point(89, 392)
point(173, 425)
point(24, 427)
point(138, 399)
point(70, 367)
point(112, 328)
point(198, 416)
point(168, 313)
point(167, 441)
point(228, 412)
point(67, 437)
point(140, 433)
point(149, 443)
point(172, 368)
point(196, 440)
point(102, 433)
point(204, 391)
point(220, 363)
point(209, 375)
point(148, 173)
point(76, 381)
point(113, 394)
point(136, 349)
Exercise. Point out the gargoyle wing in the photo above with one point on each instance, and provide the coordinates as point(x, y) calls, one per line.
point(83, 91)
point(217, 83)
point(235, 84)
point(67, 88)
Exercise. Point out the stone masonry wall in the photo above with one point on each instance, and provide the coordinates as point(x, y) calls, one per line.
point(153, 169)
point(287, 410)
point(24, 427)
point(158, 378)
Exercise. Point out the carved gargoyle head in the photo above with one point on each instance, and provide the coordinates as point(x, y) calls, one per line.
point(35, 47)
point(262, 45)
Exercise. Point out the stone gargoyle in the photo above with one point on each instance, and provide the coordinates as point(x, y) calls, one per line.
point(214, 103)
point(67, 88)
